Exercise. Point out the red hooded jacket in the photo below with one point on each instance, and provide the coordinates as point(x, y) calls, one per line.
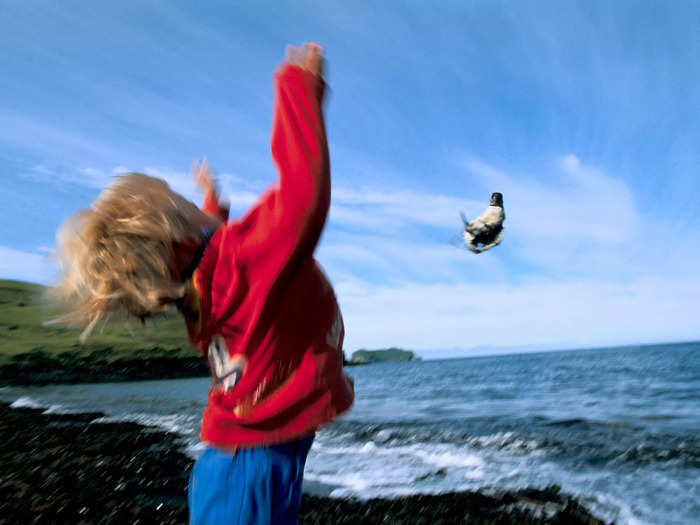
point(269, 320)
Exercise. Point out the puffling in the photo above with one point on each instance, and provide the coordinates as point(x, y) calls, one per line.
point(486, 231)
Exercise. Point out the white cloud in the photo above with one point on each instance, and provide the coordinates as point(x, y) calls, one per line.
point(179, 181)
point(389, 210)
point(51, 137)
point(562, 314)
point(585, 206)
point(584, 223)
point(575, 224)
point(183, 183)
point(391, 236)
point(26, 266)
point(366, 209)
point(601, 281)
point(392, 259)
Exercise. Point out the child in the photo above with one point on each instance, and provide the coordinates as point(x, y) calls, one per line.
point(254, 300)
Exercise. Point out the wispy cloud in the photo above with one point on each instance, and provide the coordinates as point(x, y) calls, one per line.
point(583, 205)
point(234, 189)
point(574, 222)
point(561, 314)
point(591, 278)
point(27, 266)
point(395, 259)
point(376, 209)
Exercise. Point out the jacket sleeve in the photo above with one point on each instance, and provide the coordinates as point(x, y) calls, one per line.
point(286, 223)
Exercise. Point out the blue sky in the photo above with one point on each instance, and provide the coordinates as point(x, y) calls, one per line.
point(584, 114)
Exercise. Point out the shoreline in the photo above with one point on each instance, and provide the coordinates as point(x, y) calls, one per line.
point(41, 368)
point(38, 368)
point(67, 468)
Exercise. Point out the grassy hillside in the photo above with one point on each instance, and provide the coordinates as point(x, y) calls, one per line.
point(28, 345)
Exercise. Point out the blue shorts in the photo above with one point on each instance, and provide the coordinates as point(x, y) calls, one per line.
point(260, 485)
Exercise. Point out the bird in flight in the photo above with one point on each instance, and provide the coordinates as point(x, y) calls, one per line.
point(486, 231)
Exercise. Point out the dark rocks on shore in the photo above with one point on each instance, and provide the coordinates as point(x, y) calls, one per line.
point(65, 469)
point(70, 469)
point(40, 368)
point(548, 506)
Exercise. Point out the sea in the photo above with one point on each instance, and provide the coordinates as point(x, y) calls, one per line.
point(619, 428)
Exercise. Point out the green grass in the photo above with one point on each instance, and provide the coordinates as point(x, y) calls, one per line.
point(23, 330)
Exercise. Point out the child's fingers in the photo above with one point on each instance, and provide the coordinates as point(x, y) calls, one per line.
point(292, 54)
point(309, 57)
point(313, 59)
point(204, 171)
point(202, 174)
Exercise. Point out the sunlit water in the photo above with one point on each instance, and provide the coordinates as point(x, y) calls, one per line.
point(619, 428)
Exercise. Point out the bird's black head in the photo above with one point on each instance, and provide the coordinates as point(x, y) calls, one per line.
point(497, 199)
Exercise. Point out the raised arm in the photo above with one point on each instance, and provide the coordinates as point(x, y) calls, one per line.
point(278, 234)
point(213, 205)
point(284, 226)
point(300, 149)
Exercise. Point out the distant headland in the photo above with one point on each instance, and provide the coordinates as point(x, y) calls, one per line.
point(366, 357)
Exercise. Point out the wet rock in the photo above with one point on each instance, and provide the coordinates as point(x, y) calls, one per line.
point(40, 368)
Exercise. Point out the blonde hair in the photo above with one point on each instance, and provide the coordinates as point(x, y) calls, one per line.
point(117, 256)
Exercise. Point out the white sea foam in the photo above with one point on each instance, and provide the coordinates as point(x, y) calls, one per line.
point(364, 482)
point(370, 469)
point(475, 474)
point(384, 435)
point(507, 441)
point(195, 449)
point(62, 409)
point(175, 423)
point(342, 492)
point(450, 458)
point(26, 402)
point(610, 509)
point(30, 402)
point(368, 448)
point(440, 455)
point(355, 481)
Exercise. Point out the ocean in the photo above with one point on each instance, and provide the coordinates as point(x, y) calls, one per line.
point(617, 427)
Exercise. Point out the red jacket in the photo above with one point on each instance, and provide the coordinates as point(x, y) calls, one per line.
point(269, 321)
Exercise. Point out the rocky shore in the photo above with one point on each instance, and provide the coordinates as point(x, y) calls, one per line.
point(71, 468)
point(42, 368)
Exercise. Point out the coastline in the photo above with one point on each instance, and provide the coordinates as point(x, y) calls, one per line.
point(70, 468)
point(38, 368)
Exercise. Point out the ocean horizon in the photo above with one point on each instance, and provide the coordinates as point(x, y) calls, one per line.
point(493, 351)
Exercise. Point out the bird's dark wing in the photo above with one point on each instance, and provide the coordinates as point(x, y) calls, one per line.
point(494, 242)
point(486, 233)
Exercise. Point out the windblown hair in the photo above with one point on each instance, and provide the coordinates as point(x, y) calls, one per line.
point(116, 257)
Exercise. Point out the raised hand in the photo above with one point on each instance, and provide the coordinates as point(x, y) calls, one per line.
point(308, 56)
point(204, 176)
